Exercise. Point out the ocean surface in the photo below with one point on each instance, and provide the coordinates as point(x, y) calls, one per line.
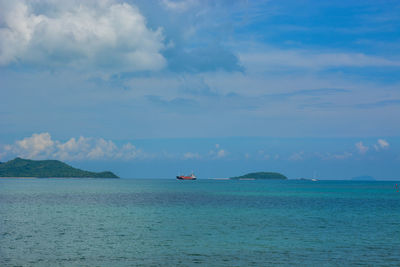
point(133, 222)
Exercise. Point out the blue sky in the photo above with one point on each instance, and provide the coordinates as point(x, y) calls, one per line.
point(152, 88)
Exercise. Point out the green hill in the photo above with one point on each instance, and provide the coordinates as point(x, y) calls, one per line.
point(262, 176)
point(46, 168)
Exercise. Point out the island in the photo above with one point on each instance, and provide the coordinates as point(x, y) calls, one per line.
point(23, 168)
point(261, 176)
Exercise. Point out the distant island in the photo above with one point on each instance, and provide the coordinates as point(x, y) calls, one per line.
point(261, 176)
point(47, 169)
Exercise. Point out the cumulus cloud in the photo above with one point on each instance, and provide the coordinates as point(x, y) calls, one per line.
point(37, 144)
point(362, 149)
point(98, 34)
point(42, 146)
point(381, 144)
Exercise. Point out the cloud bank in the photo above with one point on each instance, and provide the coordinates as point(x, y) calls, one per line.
point(42, 146)
point(380, 145)
point(91, 34)
point(276, 58)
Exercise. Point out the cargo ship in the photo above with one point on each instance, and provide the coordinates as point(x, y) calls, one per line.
point(183, 177)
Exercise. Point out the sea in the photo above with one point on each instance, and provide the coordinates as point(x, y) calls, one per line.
point(161, 222)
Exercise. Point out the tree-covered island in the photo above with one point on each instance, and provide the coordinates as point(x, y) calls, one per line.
point(47, 169)
point(262, 176)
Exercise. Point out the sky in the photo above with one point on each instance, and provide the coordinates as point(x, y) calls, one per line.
point(151, 89)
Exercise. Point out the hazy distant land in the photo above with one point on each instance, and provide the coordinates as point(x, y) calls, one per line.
point(24, 168)
point(262, 176)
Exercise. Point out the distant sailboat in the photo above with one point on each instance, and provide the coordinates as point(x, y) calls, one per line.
point(314, 179)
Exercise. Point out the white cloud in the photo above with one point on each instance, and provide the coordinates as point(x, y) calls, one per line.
point(191, 155)
point(362, 149)
point(102, 149)
point(222, 153)
point(98, 34)
point(344, 155)
point(37, 144)
point(129, 151)
point(219, 152)
point(328, 156)
point(382, 144)
point(72, 148)
point(296, 156)
point(41, 146)
point(272, 58)
point(178, 6)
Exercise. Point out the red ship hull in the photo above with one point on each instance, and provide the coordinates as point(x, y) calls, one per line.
point(185, 178)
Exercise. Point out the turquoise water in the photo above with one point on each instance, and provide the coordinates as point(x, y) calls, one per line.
point(125, 222)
